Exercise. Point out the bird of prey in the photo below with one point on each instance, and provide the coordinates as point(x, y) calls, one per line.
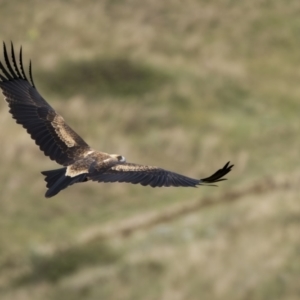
point(61, 143)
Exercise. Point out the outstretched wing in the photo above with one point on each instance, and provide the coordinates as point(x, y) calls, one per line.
point(49, 130)
point(153, 176)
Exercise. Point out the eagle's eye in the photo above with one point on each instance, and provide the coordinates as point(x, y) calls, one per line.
point(121, 158)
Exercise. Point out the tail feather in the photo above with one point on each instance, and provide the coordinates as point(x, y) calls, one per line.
point(57, 181)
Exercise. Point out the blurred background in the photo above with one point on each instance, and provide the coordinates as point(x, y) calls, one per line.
point(185, 85)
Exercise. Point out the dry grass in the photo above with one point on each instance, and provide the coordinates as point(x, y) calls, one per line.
point(220, 81)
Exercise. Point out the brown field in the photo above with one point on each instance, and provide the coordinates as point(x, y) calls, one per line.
point(183, 85)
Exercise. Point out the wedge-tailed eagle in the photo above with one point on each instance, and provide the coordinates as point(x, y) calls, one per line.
point(62, 144)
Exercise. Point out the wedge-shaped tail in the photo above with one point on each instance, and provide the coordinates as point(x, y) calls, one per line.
point(57, 181)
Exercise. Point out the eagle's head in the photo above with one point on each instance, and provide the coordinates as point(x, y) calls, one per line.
point(119, 158)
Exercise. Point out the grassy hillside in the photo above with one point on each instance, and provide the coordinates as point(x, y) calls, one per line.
point(186, 86)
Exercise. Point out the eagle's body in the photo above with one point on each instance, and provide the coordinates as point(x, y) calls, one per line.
point(58, 141)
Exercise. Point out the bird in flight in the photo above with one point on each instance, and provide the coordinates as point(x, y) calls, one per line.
point(61, 143)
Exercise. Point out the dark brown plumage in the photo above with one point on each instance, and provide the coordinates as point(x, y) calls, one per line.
point(62, 144)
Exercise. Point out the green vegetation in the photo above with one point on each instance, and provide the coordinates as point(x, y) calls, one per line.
point(183, 85)
point(118, 77)
point(64, 262)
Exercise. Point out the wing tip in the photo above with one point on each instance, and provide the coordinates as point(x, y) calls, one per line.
point(10, 69)
point(217, 176)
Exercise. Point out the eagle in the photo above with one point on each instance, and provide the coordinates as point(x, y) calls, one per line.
point(62, 144)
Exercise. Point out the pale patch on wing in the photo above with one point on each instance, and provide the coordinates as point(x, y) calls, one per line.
point(62, 131)
point(133, 168)
point(88, 153)
point(73, 171)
